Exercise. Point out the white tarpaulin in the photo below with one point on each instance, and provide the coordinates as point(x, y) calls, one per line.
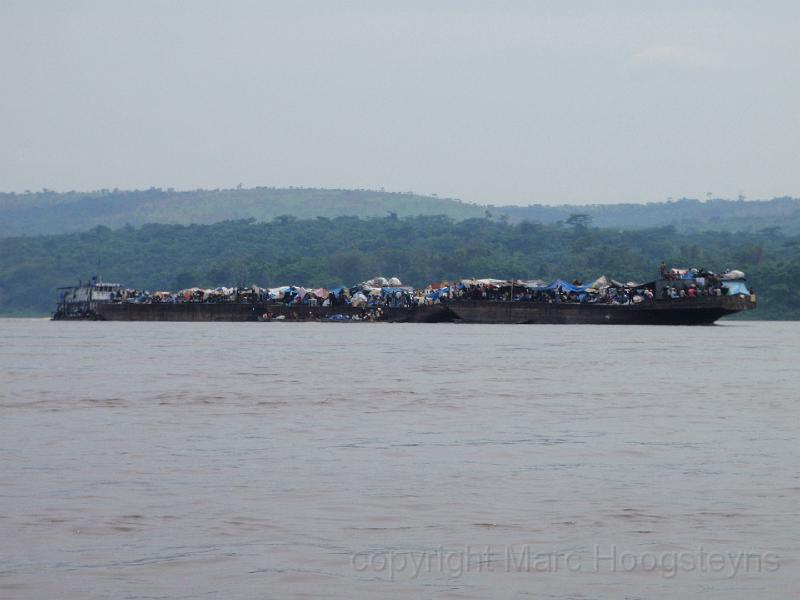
point(600, 283)
point(358, 300)
point(734, 274)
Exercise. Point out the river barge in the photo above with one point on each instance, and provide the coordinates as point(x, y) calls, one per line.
point(682, 311)
point(686, 300)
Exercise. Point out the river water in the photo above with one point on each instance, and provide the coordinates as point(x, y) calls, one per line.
point(312, 460)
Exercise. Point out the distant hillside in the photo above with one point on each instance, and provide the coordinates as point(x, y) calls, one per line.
point(684, 214)
point(49, 212)
point(52, 212)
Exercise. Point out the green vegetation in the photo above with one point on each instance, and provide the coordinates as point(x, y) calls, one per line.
point(51, 212)
point(419, 250)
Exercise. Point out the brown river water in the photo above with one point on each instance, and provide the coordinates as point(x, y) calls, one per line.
point(314, 460)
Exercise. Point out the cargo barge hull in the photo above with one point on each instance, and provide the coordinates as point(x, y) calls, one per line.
point(686, 311)
point(683, 311)
point(230, 311)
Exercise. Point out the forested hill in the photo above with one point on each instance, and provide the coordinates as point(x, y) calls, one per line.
point(51, 212)
point(348, 250)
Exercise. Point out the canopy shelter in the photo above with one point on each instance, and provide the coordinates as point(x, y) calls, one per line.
point(532, 284)
point(486, 282)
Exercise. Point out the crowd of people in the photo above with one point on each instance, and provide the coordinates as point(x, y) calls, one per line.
point(377, 292)
point(382, 293)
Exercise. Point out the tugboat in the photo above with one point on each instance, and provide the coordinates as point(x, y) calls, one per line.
point(81, 302)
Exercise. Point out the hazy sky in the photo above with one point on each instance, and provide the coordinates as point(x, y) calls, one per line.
point(503, 102)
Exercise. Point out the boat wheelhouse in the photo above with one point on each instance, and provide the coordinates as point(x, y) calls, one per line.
point(81, 301)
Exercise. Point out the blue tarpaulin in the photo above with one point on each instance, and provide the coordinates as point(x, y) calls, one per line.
point(388, 291)
point(736, 287)
point(564, 285)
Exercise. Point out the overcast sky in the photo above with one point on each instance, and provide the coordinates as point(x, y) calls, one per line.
point(502, 102)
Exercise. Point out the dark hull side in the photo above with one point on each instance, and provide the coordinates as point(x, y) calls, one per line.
point(252, 312)
point(688, 311)
point(684, 311)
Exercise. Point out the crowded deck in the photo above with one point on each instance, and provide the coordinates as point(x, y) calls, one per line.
point(383, 298)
